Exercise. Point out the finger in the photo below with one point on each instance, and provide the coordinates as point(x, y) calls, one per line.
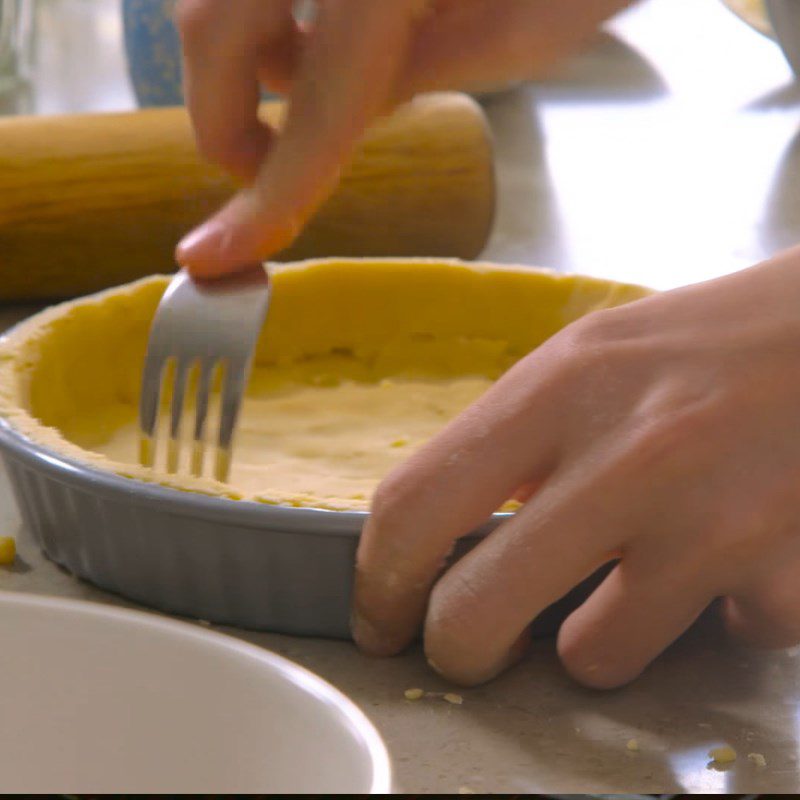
point(347, 73)
point(767, 612)
point(480, 610)
point(279, 62)
point(638, 610)
point(507, 439)
point(223, 53)
point(471, 45)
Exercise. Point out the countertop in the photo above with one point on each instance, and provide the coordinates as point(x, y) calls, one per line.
point(666, 154)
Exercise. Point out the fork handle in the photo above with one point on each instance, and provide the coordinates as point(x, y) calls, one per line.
point(111, 194)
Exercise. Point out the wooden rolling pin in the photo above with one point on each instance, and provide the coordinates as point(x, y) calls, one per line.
point(90, 201)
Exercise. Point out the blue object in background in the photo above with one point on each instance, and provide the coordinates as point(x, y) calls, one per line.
point(153, 49)
point(154, 52)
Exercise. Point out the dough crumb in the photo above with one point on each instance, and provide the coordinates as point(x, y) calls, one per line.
point(454, 699)
point(8, 550)
point(414, 694)
point(466, 790)
point(633, 745)
point(757, 759)
point(723, 755)
point(204, 622)
point(401, 442)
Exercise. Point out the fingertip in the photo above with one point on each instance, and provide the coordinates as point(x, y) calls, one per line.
point(585, 665)
point(199, 250)
point(232, 240)
point(241, 153)
point(372, 640)
point(471, 668)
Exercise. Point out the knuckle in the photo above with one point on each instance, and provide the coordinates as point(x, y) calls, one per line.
point(401, 493)
point(732, 535)
point(593, 345)
point(660, 441)
point(603, 326)
point(679, 434)
point(580, 339)
point(195, 18)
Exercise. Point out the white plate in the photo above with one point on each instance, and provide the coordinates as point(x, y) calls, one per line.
point(95, 699)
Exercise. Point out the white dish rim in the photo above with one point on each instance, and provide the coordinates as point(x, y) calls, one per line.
point(289, 670)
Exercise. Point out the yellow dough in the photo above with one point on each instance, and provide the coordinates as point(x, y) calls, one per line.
point(328, 445)
point(360, 363)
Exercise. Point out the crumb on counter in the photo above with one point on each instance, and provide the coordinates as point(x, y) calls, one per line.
point(633, 745)
point(466, 790)
point(757, 759)
point(723, 755)
point(8, 550)
point(204, 622)
point(413, 694)
point(454, 699)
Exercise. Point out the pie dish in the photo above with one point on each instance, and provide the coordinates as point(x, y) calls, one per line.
point(359, 363)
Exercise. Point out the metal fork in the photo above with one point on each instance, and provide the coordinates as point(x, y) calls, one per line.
point(203, 325)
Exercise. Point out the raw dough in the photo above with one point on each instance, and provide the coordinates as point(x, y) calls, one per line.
point(360, 362)
point(327, 445)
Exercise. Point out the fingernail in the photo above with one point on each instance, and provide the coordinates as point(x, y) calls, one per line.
point(204, 245)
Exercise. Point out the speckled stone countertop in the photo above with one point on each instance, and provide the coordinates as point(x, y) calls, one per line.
point(666, 154)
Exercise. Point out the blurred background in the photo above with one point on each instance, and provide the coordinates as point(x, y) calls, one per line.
point(70, 56)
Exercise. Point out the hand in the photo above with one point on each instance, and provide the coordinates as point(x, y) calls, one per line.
point(664, 434)
point(355, 62)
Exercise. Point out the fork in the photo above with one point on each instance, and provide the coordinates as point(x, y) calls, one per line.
point(204, 325)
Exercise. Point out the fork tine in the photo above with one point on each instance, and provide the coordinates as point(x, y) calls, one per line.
point(210, 324)
point(207, 368)
point(233, 386)
point(149, 403)
point(176, 414)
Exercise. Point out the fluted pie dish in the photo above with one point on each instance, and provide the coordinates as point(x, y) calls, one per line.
point(360, 362)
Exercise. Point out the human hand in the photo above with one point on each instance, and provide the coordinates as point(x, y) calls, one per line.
point(357, 60)
point(662, 433)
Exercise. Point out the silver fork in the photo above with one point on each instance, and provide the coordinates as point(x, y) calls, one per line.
point(203, 325)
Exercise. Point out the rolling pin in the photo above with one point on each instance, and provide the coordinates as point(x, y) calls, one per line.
point(89, 201)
